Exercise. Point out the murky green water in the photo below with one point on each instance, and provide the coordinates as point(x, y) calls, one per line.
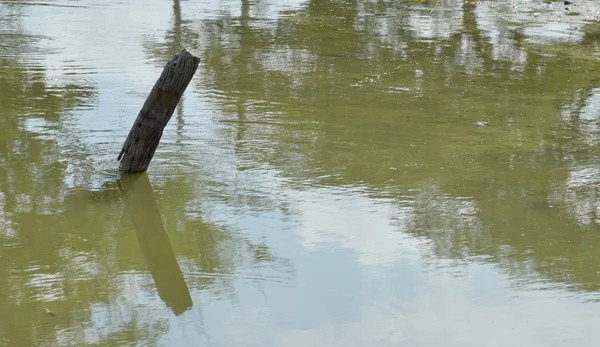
point(338, 173)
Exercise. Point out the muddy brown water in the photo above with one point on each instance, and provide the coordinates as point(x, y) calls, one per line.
point(338, 173)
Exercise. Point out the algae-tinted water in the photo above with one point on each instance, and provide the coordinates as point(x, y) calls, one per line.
point(338, 173)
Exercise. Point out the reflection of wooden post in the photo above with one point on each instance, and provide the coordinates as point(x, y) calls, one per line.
point(154, 242)
point(147, 129)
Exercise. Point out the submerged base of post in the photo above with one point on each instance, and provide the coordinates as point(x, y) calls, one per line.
point(146, 132)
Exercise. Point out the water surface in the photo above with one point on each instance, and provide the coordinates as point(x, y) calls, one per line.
point(338, 173)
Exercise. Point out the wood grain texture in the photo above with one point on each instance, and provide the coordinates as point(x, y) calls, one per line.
point(146, 132)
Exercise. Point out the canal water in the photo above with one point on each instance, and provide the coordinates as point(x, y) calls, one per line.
point(338, 173)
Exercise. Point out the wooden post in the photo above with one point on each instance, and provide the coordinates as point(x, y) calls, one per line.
point(145, 134)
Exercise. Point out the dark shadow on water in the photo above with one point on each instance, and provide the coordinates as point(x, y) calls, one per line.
point(140, 205)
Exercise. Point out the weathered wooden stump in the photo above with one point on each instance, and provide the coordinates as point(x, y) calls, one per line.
point(145, 134)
